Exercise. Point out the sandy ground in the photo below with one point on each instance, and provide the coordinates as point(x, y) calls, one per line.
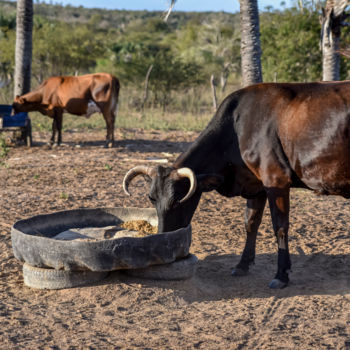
point(213, 310)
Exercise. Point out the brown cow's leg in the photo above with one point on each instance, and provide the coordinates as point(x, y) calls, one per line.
point(54, 130)
point(59, 118)
point(279, 206)
point(253, 215)
point(110, 119)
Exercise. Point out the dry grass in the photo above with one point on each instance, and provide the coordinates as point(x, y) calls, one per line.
point(188, 111)
point(151, 119)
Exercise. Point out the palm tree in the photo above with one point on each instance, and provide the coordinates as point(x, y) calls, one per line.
point(333, 16)
point(23, 56)
point(250, 42)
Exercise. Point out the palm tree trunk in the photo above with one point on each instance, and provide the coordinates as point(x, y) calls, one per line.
point(331, 61)
point(250, 42)
point(332, 18)
point(23, 54)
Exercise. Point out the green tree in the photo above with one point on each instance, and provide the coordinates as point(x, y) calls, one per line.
point(7, 23)
point(169, 72)
point(7, 44)
point(72, 49)
point(290, 43)
point(215, 46)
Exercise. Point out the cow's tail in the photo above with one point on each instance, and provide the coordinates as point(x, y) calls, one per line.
point(115, 94)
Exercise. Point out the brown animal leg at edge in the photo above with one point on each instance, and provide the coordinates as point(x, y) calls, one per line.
point(59, 119)
point(54, 130)
point(110, 119)
point(279, 207)
point(253, 215)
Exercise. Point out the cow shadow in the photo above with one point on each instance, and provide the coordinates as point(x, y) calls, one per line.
point(316, 274)
point(132, 146)
point(137, 145)
point(158, 146)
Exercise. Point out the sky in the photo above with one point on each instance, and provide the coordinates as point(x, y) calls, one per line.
point(162, 5)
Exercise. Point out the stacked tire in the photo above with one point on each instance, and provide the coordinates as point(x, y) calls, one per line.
point(56, 264)
point(42, 278)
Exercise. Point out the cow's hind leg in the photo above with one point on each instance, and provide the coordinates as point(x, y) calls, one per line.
point(54, 131)
point(279, 207)
point(253, 216)
point(56, 128)
point(110, 120)
point(59, 118)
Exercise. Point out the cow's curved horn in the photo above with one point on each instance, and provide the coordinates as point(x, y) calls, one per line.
point(132, 173)
point(187, 172)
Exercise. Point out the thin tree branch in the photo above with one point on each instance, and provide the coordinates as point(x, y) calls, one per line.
point(213, 89)
point(172, 4)
point(145, 95)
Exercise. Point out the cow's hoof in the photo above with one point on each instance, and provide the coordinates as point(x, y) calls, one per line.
point(55, 145)
point(239, 272)
point(277, 284)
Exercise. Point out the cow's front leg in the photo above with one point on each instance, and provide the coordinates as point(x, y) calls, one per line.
point(279, 207)
point(253, 215)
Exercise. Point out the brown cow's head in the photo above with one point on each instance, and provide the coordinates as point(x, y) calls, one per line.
point(18, 104)
point(21, 104)
point(174, 192)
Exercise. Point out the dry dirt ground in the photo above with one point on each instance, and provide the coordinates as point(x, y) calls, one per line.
point(213, 310)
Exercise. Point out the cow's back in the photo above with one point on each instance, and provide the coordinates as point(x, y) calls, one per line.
point(74, 93)
point(297, 130)
point(80, 87)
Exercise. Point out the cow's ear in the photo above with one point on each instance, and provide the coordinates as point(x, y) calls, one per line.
point(20, 99)
point(209, 182)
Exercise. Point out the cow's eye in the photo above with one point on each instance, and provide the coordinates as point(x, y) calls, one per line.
point(152, 200)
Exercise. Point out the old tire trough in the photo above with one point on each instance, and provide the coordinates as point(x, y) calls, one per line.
point(37, 277)
point(180, 269)
point(33, 241)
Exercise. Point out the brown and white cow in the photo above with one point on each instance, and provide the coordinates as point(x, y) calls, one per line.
point(78, 95)
point(262, 141)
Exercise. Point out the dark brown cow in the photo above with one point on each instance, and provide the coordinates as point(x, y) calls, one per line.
point(263, 140)
point(78, 95)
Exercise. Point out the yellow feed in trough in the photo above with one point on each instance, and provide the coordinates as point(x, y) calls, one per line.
point(142, 226)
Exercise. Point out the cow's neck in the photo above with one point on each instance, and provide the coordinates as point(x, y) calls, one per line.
point(213, 150)
point(34, 96)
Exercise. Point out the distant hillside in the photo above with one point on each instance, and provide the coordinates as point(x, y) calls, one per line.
point(184, 52)
point(116, 18)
